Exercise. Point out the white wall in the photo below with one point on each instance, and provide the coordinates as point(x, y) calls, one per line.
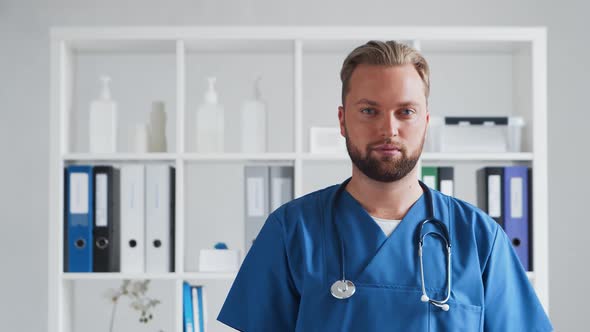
point(24, 112)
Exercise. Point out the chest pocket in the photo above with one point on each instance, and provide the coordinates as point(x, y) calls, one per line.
point(460, 318)
point(370, 309)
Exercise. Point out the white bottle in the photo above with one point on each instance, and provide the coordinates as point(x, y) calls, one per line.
point(103, 121)
point(210, 122)
point(141, 138)
point(254, 123)
point(157, 128)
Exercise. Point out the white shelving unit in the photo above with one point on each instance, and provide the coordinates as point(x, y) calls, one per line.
point(475, 71)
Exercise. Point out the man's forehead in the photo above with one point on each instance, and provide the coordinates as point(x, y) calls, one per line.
point(368, 79)
point(377, 69)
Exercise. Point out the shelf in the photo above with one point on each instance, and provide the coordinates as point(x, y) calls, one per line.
point(239, 156)
point(120, 157)
point(137, 46)
point(427, 156)
point(229, 276)
point(119, 276)
point(470, 46)
point(503, 156)
point(151, 276)
point(438, 156)
point(239, 46)
point(209, 275)
point(325, 156)
point(337, 47)
point(174, 156)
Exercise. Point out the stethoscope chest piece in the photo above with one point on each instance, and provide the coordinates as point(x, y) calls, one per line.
point(342, 289)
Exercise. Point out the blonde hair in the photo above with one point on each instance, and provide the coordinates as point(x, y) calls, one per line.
point(389, 53)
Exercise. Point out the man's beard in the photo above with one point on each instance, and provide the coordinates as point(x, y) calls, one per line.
point(386, 168)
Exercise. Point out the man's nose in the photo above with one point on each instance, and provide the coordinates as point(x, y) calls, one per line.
point(389, 125)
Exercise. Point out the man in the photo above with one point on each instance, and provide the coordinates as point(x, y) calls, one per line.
point(331, 260)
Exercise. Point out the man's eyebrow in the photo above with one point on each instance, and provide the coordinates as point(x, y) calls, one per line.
point(408, 104)
point(367, 102)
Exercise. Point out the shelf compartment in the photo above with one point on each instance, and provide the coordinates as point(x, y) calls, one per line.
point(141, 72)
point(92, 307)
point(214, 294)
point(481, 78)
point(235, 72)
point(215, 214)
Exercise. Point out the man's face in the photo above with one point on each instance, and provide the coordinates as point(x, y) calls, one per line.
point(384, 120)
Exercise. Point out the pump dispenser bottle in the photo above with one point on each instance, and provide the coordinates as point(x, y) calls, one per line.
point(210, 122)
point(254, 123)
point(103, 121)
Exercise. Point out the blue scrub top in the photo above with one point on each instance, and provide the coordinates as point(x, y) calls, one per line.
point(284, 282)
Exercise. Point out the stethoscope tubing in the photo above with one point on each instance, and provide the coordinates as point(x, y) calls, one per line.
point(346, 292)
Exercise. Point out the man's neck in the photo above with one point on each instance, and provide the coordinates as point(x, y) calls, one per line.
point(390, 200)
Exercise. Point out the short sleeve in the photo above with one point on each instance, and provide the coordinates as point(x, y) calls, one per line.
point(263, 296)
point(511, 303)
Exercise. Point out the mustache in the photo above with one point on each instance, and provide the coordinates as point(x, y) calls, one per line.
point(388, 143)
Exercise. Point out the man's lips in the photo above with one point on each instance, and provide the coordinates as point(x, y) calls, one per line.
point(387, 147)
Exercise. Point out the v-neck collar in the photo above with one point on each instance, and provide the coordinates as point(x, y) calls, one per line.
point(364, 241)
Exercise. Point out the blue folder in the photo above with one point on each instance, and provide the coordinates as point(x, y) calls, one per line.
point(187, 306)
point(79, 218)
point(201, 308)
point(516, 211)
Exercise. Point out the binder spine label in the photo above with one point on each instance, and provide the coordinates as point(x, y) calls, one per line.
point(446, 187)
point(279, 186)
point(101, 201)
point(494, 196)
point(255, 196)
point(516, 197)
point(157, 196)
point(429, 180)
point(79, 193)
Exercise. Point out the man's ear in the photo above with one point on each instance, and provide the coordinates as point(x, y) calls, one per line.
point(341, 121)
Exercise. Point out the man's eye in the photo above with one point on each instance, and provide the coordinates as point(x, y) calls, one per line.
point(368, 111)
point(408, 111)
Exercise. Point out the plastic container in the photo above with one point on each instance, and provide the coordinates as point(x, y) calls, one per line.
point(140, 138)
point(102, 122)
point(434, 134)
point(210, 122)
point(254, 123)
point(515, 126)
point(157, 128)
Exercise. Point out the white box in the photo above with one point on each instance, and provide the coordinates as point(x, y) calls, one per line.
point(326, 140)
point(219, 260)
point(475, 134)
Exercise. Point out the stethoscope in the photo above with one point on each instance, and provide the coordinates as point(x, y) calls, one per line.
point(343, 288)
